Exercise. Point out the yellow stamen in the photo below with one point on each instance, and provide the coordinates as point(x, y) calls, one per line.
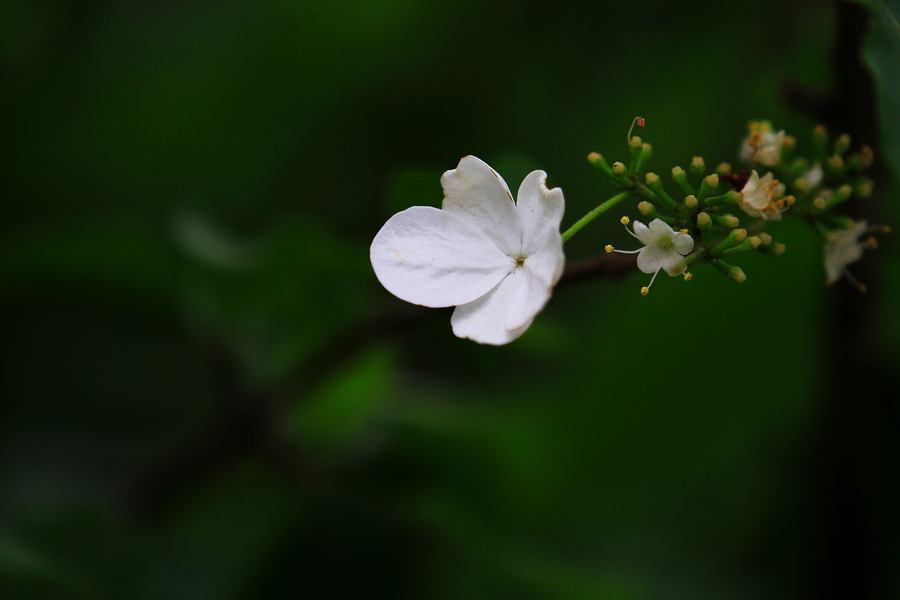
point(624, 220)
point(688, 276)
point(645, 290)
point(609, 248)
point(683, 230)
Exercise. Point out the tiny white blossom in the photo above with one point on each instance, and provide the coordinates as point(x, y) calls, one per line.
point(496, 260)
point(663, 248)
point(814, 175)
point(844, 248)
point(760, 196)
point(762, 145)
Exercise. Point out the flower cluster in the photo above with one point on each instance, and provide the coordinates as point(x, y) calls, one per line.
point(775, 182)
point(496, 258)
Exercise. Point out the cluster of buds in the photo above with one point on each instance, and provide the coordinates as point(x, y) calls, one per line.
point(726, 213)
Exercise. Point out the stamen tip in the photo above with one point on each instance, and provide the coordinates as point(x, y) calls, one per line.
point(609, 248)
point(688, 275)
point(645, 290)
point(624, 220)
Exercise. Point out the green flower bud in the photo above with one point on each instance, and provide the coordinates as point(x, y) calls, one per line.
point(723, 169)
point(709, 184)
point(841, 145)
point(862, 188)
point(644, 158)
point(655, 184)
point(820, 140)
point(726, 221)
point(704, 222)
point(681, 180)
point(601, 165)
point(734, 273)
point(698, 167)
point(733, 239)
point(618, 168)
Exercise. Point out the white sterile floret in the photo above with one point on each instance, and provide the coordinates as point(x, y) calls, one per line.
point(663, 248)
point(496, 260)
point(844, 248)
point(760, 196)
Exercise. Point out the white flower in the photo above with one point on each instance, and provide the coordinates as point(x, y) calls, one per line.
point(814, 175)
point(844, 248)
point(762, 145)
point(663, 248)
point(495, 259)
point(761, 196)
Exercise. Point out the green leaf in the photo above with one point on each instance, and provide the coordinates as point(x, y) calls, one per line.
point(882, 52)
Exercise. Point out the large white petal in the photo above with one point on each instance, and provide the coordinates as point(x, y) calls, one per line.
point(540, 211)
point(426, 256)
point(484, 320)
point(477, 194)
point(542, 270)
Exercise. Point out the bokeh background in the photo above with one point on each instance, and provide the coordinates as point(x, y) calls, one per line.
point(206, 394)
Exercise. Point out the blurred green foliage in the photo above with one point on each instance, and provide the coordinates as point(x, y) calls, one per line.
point(208, 395)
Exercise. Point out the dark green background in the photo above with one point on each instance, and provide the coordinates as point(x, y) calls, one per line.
point(207, 394)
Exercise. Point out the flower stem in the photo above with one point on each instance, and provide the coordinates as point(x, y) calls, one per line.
point(576, 227)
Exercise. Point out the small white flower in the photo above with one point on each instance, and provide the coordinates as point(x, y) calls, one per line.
point(663, 248)
point(495, 259)
point(762, 145)
point(844, 248)
point(814, 175)
point(761, 195)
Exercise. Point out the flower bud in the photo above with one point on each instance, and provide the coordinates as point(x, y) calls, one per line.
point(765, 238)
point(644, 157)
point(655, 184)
point(690, 202)
point(863, 188)
point(755, 241)
point(820, 140)
point(734, 273)
point(708, 185)
point(618, 168)
point(601, 165)
point(698, 167)
point(646, 208)
point(723, 169)
point(835, 164)
point(801, 185)
point(635, 143)
point(681, 180)
point(841, 145)
point(726, 221)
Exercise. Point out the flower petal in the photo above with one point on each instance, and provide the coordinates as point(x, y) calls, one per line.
point(427, 256)
point(643, 233)
point(484, 320)
point(660, 228)
point(477, 194)
point(683, 243)
point(540, 211)
point(651, 258)
point(542, 270)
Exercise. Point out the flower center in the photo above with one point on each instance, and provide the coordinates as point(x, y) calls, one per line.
point(520, 260)
point(665, 243)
